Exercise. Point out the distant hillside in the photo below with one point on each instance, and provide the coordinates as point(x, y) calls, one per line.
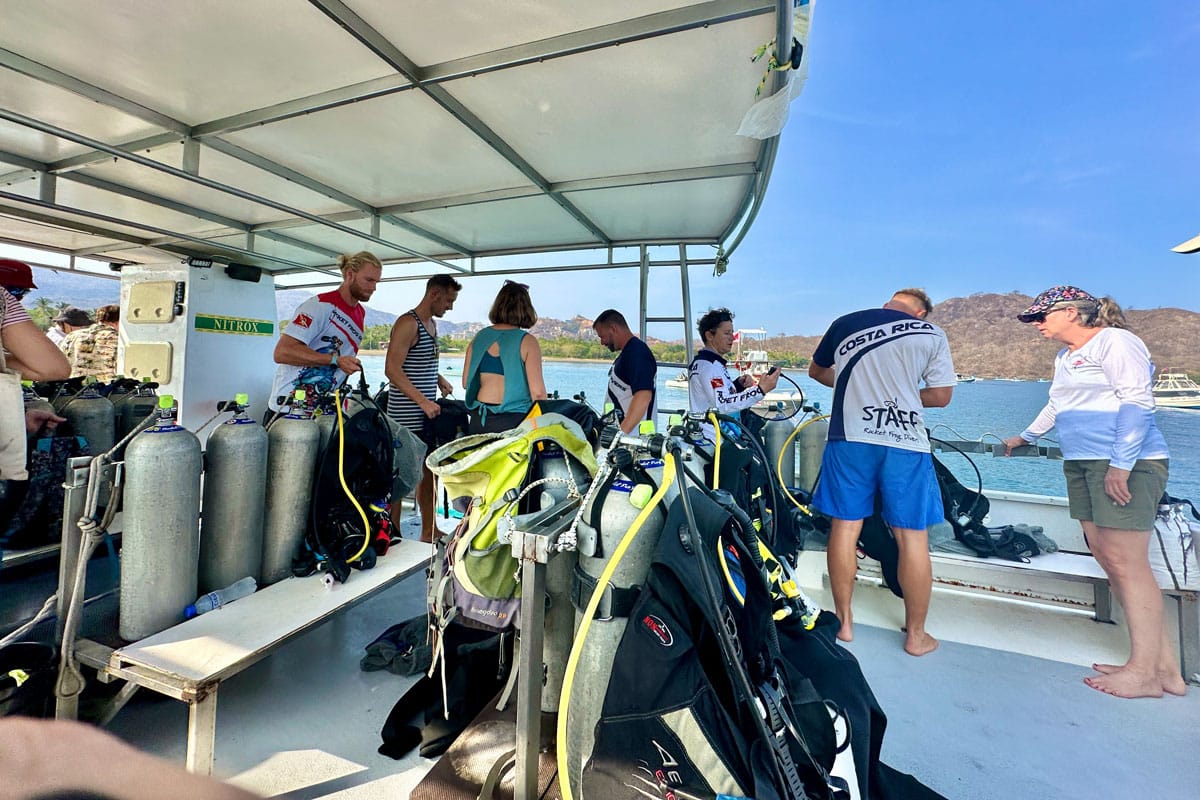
point(74, 289)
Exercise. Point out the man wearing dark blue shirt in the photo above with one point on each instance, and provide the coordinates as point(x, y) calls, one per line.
point(631, 379)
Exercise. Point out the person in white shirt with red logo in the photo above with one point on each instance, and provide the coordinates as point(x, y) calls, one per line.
point(710, 386)
point(319, 347)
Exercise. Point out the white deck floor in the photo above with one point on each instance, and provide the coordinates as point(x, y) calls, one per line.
point(971, 722)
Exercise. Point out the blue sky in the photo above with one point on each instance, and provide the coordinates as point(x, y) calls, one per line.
point(964, 147)
point(961, 146)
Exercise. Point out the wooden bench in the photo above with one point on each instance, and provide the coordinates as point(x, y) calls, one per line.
point(1041, 580)
point(189, 661)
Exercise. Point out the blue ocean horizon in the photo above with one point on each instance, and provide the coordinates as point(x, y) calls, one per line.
point(983, 409)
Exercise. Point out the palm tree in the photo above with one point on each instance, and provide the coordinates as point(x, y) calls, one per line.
point(43, 310)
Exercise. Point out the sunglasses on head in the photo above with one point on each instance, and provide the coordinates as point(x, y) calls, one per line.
point(524, 286)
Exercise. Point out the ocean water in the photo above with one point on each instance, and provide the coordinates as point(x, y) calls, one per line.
point(981, 409)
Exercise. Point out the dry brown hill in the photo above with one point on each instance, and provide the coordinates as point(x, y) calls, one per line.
point(988, 341)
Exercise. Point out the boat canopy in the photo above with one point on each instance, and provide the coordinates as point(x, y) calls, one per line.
point(279, 133)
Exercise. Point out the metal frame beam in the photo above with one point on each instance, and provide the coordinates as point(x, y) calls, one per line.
point(74, 225)
point(340, 13)
point(53, 130)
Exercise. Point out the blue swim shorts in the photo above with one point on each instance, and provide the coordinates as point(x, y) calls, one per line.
point(854, 473)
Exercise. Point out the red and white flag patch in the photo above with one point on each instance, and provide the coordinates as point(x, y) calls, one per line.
point(717, 383)
point(302, 320)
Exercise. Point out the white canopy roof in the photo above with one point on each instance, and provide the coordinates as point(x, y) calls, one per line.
point(280, 133)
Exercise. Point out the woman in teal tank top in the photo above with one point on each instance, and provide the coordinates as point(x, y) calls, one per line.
point(503, 372)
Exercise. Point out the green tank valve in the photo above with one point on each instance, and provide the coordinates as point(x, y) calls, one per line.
point(146, 379)
point(646, 427)
point(166, 401)
point(675, 420)
point(300, 395)
point(242, 399)
point(27, 384)
point(608, 407)
point(640, 495)
point(89, 380)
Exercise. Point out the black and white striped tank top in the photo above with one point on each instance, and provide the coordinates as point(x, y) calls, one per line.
point(421, 367)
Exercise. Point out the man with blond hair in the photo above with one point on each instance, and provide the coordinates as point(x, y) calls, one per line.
point(319, 347)
point(885, 365)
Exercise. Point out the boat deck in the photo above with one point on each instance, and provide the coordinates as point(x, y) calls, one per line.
point(971, 722)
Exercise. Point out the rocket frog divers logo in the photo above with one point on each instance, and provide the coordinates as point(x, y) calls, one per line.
point(891, 421)
point(658, 629)
point(303, 320)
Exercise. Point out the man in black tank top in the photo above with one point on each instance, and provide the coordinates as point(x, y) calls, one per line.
point(411, 367)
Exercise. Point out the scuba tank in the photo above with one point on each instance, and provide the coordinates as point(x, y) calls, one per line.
point(231, 530)
point(135, 406)
point(775, 434)
point(91, 416)
point(604, 521)
point(810, 448)
point(292, 445)
point(33, 400)
point(61, 392)
point(560, 613)
point(161, 540)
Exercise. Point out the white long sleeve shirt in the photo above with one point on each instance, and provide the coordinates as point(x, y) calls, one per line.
point(1101, 402)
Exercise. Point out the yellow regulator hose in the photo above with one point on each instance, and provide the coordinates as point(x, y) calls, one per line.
point(716, 449)
point(337, 399)
point(614, 561)
point(779, 461)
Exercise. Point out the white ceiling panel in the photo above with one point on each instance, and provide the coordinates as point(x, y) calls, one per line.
point(525, 222)
point(691, 209)
point(170, 56)
point(67, 217)
point(52, 236)
point(282, 250)
point(649, 105)
point(222, 169)
point(61, 108)
point(345, 243)
point(432, 31)
point(395, 149)
point(76, 195)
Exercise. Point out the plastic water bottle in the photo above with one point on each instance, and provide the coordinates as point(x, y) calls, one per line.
point(234, 591)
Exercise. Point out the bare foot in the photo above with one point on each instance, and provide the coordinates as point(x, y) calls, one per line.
point(846, 632)
point(1127, 683)
point(427, 538)
point(1108, 669)
point(920, 644)
point(1172, 682)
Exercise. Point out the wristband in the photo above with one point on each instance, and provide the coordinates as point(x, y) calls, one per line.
point(333, 359)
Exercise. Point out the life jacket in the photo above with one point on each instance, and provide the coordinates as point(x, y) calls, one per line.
point(476, 580)
point(335, 532)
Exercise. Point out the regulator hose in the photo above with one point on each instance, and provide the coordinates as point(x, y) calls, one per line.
point(589, 613)
point(716, 476)
point(779, 461)
point(341, 426)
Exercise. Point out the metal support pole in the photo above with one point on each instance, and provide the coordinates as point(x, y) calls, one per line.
point(643, 285)
point(191, 156)
point(47, 187)
point(529, 686)
point(685, 288)
point(74, 495)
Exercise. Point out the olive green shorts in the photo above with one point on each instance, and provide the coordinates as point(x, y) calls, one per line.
point(1089, 503)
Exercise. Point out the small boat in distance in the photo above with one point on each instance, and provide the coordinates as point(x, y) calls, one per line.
point(1176, 390)
point(961, 378)
point(749, 357)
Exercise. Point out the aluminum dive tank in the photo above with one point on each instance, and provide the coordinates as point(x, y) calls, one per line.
point(33, 400)
point(160, 544)
point(292, 443)
point(775, 434)
point(560, 613)
point(618, 507)
point(235, 488)
point(810, 446)
point(136, 406)
point(91, 415)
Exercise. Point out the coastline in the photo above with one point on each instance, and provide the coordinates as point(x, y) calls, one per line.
point(459, 354)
